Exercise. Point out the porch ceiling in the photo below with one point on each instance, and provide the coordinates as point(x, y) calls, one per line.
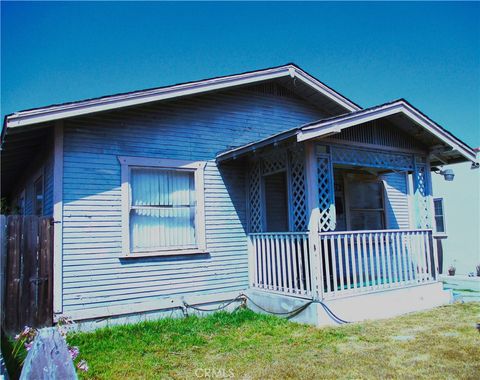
point(442, 146)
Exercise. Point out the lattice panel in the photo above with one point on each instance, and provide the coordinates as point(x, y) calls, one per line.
point(274, 162)
point(421, 191)
point(371, 158)
point(255, 197)
point(299, 191)
point(325, 193)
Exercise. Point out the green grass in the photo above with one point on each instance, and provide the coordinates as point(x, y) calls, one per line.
point(441, 343)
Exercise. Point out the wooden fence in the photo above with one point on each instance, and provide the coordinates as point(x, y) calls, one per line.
point(27, 254)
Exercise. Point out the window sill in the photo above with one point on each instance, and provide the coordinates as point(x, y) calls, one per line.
point(178, 252)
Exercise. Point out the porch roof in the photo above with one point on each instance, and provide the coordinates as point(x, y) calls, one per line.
point(444, 147)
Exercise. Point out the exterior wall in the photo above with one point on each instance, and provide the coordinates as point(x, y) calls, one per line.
point(461, 199)
point(94, 274)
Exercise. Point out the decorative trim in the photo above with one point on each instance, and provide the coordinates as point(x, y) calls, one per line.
point(373, 158)
point(58, 218)
point(290, 160)
point(325, 193)
point(197, 167)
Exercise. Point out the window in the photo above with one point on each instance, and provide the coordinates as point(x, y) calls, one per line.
point(162, 207)
point(366, 204)
point(38, 196)
point(439, 215)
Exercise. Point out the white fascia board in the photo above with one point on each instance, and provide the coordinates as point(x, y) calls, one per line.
point(336, 126)
point(448, 139)
point(323, 129)
point(46, 114)
point(126, 100)
point(320, 87)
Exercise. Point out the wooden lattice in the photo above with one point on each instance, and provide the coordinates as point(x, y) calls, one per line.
point(274, 162)
point(299, 191)
point(255, 196)
point(422, 192)
point(325, 193)
point(371, 158)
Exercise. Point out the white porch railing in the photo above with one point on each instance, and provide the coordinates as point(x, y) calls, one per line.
point(349, 262)
point(363, 261)
point(280, 262)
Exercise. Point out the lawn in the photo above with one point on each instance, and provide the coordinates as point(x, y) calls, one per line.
point(441, 343)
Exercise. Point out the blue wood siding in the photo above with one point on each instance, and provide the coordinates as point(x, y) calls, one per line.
point(94, 275)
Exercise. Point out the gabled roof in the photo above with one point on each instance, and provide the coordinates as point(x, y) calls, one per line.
point(105, 103)
point(326, 127)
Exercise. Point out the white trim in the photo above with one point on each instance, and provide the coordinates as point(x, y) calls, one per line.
point(314, 217)
point(198, 167)
point(146, 96)
point(164, 303)
point(336, 125)
point(434, 226)
point(58, 219)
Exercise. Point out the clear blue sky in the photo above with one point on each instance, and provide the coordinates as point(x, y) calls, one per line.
point(428, 53)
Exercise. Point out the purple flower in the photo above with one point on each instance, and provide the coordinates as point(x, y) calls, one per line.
point(74, 351)
point(82, 366)
point(17, 337)
point(28, 346)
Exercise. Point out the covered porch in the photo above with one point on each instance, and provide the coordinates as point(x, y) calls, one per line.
point(337, 212)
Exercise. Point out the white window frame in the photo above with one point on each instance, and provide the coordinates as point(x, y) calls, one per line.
point(197, 167)
point(444, 233)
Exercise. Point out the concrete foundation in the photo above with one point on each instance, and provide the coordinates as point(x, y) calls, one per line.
point(354, 308)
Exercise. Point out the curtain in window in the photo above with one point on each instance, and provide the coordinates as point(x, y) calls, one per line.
point(162, 213)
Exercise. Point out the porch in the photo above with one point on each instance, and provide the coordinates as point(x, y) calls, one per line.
point(344, 219)
point(330, 265)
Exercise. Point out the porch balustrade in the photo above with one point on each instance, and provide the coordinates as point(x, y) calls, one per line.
point(349, 262)
point(362, 261)
point(280, 262)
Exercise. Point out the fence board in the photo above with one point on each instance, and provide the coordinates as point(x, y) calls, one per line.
point(28, 272)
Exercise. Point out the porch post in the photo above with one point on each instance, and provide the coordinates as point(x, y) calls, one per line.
point(313, 237)
point(251, 261)
point(431, 218)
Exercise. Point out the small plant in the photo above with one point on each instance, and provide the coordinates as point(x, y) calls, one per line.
point(478, 270)
point(64, 326)
point(23, 343)
point(451, 270)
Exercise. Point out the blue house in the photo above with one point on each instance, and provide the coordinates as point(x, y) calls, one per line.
point(267, 183)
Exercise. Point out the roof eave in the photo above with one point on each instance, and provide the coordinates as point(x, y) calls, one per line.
point(46, 114)
point(337, 124)
point(238, 152)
